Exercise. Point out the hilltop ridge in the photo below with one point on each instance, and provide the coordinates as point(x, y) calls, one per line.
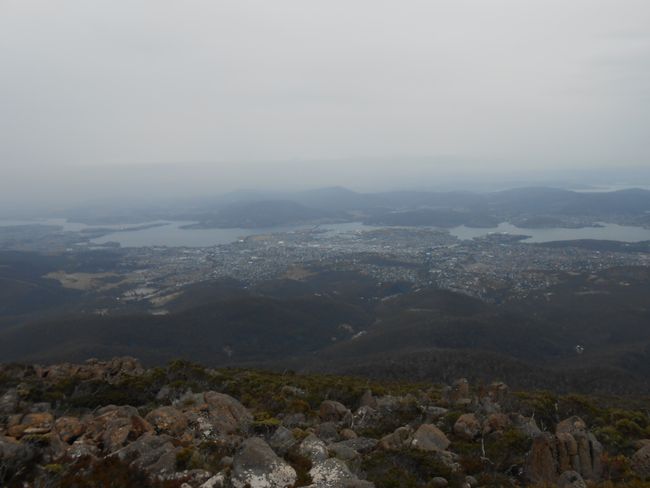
point(115, 423)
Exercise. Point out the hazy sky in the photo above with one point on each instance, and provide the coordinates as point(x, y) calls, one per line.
point(422, 86)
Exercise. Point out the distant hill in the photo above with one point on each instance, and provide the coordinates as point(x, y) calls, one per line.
point(540, 206)
point(267, 214)
point(338, 322)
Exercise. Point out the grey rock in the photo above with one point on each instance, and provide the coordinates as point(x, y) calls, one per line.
point(331, 473)
point(9, 402)
point(328, 432)
point(14, 456)
point(313, 448)
point(362, 445)
point(641, 462)
point(153, 453)
point(227, 415)
point(167, 420)
point(294, 420)
point(282, 440)
point(257, 466)
point(346, 454)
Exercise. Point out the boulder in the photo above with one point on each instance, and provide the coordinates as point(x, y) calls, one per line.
point(400, 439)
point(167, 420)
point(155, 454)
point(282, 440)
point(526, 425)
point(226, 414)
point(346, 454)
point(362, 445)
point(313, 448)
point(83, 447)
point(328, 432)
point(32, 424)
point(433, 413)
point(641, 462)
point(347, 434)
point(571, 479)
point(428, 437)
point(216, 481)
point(9, 402)
point(14, 457)
point(439, 482)
point(496, 422)
point(541, 462)
point(257, 466)
point(121, 430)
point(366, 417)
point(332, 411)
point(572, 425)
point(471, 481)
point(467, 427)
point(572, 449)
point(69, 428)
point(331, 473)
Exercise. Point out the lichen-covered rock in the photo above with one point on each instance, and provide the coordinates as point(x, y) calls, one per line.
point(167, 420)
point(331, 473)
point(257, 466)
point(428, 437)
point(313, 448)
point(346, 454)
point(83, 447)
point(216, 481)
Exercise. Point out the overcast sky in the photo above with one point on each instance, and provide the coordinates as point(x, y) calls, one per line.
point(383, 88)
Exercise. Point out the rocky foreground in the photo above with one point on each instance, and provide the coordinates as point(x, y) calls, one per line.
point(116, 424)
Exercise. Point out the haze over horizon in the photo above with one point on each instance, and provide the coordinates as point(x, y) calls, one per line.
point(157, 98)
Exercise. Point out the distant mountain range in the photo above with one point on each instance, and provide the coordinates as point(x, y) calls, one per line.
point(527, 207)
